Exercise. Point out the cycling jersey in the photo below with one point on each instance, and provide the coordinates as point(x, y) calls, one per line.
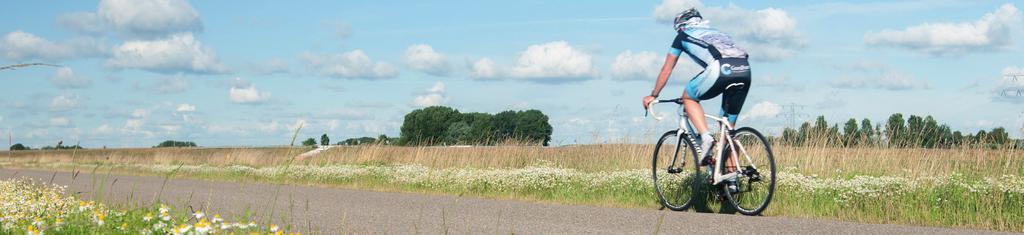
point(726, 70)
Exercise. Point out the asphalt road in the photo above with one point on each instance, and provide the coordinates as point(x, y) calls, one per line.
point(342, 211)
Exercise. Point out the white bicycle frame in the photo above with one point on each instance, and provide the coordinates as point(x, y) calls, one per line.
point(685, 127)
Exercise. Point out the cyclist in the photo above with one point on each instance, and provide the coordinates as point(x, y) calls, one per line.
point(726, 72)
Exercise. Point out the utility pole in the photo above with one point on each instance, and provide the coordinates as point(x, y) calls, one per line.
point(792, 112)
point(1015, 91)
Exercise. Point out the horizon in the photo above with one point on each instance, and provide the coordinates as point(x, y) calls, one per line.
point(136, 73)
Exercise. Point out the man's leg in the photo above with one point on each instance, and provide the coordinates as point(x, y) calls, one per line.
point(696, 113)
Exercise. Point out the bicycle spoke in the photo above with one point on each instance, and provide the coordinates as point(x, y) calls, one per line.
point(673, 183)
point(757, 178)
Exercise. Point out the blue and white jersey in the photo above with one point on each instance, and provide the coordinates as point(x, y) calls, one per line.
point(705, 44)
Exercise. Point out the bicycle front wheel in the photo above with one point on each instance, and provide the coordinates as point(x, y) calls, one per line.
point(674, 184)
point(756, 181)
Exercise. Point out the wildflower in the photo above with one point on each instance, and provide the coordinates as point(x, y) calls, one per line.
point(58, 222)
point(216, 219)
point(124, 226)
point(199, 214)
point(164, 209)
point(147, 217)
point(164, 216)
point(31, 230)
point(98, 216)
point(38, 222)
point(202, 226)
point(274, 228)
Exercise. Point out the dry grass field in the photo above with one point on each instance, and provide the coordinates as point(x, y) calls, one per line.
point(824, 161)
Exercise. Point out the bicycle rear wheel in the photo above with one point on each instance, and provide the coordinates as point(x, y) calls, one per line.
point(674, 184)
point(756, 182)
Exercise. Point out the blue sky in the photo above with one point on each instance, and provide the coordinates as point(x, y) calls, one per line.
point(222, 73)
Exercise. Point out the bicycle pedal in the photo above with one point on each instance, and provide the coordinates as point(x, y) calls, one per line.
point(672, 170)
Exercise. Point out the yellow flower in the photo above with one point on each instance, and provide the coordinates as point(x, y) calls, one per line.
point(32, 230)
point(274, 228)
point(124, 226)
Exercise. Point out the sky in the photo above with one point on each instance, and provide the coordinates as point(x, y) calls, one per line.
point(228, 73)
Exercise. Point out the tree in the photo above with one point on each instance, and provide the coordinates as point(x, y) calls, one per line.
point(790, 136)
point(532, 125)
point(443, 125)
point(866, 131)
point(309, 142)
point(19, 147)
point(175, 144)
point(894, 130)
point(999, 136)
point(427, 125)
point(931, 133)
point(324, 140)
point(359, 141)
point(383, 139)
point(915, 131)
point(457, 132)
point(850, 132)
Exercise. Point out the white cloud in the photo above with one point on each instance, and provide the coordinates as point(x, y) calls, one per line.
point(19, 45)
point(59, 122)
point(173, 84)
point(889, 80)
point(298, 123)
point(350, 65)
point(764, 109)
point(64, 102)
point(550, 62)
point(104, 130)
point(992, 32)
point(437, 88)
point(784, 83)
point(273, 66)
point(667, 10)
point(768, 34)
point(248, 95)
point(553, 62)
point(434, 96)
point(132, 124)
point(65, 78)
point(135, 18)
point(876, 76)
point(423, 58)
point(186, 108)
point(177, 53)
point(333, 124)
point(484, 68)
point(139, 113)
point(270, 127)
point(644, 65)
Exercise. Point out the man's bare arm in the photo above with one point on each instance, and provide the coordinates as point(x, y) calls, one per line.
point(666, 71)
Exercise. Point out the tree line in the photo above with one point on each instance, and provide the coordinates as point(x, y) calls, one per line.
point(440, 125)
point(897, 132)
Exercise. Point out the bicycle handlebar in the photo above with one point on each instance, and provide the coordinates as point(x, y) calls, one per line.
point(650, 106)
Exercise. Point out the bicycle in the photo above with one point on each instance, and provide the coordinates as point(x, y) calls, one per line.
point(755, 186)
